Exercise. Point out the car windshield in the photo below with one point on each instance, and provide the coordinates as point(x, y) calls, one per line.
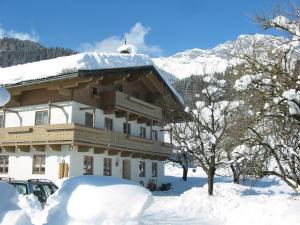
point(21, 188)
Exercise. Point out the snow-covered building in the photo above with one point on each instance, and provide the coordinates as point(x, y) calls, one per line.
point(90, 113)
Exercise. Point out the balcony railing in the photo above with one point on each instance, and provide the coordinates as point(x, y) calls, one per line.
point(121, 101)
point(80, 135)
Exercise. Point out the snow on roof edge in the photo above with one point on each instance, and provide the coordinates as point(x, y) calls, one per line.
point(51, 68)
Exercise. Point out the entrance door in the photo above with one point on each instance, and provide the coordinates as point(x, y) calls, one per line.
point(126, 169)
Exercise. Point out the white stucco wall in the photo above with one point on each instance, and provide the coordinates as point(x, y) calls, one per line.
point(78, 116)
point(27, 113)
point(20, 163)
point(75, 115)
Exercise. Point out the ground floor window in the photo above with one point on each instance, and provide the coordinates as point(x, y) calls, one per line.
point(107, 167)
point(88, 165)
point(154, 169)
point(142, 169)
point(2, 121)
point(4, 164)
point(38, 166)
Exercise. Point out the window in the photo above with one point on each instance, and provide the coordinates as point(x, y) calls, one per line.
point(21, 188)
point(107, 167)
point(154, 135)
point(94, 91)
point(142, 132)
point(119, 87)
point(142, 169)
point(88, 165)
point(108, 124)
point(38, 166)
point(39, 191)
point(4, 164)
point(127, 129)
point(2, 121)
point(41, 117)
point(89, 119)
point(154, 169)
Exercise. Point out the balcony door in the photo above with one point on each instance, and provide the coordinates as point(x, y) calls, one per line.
point(126, 169)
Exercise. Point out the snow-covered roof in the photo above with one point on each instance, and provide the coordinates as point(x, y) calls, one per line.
point(83, 61)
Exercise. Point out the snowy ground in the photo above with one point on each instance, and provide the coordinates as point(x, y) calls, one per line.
point(268, 202)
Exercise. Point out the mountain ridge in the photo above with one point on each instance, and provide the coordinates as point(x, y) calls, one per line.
point(209, 61)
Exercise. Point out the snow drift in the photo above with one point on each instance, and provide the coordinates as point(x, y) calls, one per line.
point(95, 200)
point(10, 211)
point(236, 204)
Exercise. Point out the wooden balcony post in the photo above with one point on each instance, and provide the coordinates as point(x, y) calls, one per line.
point(49, 112)
point(12, 111)
point(94, 117)
point(151, 128)
point(127, 118)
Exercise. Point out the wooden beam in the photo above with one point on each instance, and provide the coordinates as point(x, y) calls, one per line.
point(135, 77)
point(112, 152)
point(55, 147)
point(142, 120)
point(65, 92)
point(8, 148)
point(136, 155)
point(113, 79)
point(133, 117)
point(99, 150)
point(120, 114)
point(23, 148)
point(83, 148)
point(126, 154)
point(95, 81)
point(109, 111)
point(39, 148)
point(145, 156)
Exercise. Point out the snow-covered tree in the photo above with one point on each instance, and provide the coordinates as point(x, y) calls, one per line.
point(269, 80)
point(203, 134)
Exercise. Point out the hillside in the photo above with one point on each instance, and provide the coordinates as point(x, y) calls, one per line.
point(15, 51)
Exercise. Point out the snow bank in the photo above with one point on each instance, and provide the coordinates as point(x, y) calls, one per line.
point(31, 205)
point(95, 200)
point(235, 204)
point(10, 212)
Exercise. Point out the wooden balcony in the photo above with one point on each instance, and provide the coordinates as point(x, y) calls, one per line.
point(75, 134)
point(114, 100)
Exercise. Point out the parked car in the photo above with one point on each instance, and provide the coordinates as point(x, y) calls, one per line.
point(41, 188)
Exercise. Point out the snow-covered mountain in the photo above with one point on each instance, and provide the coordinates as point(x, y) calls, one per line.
point(216, 60)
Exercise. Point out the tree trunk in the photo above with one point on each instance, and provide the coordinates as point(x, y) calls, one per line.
point(236, 176)
point(211, 174)
point(185, 173)
point(235, 170)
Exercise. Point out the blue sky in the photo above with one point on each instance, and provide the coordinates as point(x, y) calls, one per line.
point(157, 27)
